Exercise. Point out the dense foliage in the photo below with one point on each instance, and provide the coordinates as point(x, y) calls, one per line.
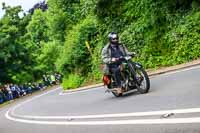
point(69, 35)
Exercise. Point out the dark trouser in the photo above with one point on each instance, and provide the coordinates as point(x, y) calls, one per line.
point(1, 98)
point(117, 75)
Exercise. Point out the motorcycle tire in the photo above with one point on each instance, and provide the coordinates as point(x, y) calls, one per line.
point(145, 79)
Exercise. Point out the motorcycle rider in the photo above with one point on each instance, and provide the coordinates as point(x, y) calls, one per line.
point(111, 54)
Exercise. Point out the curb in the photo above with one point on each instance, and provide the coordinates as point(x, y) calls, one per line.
point(151, 73)
point(83, 88)
point(173, 68)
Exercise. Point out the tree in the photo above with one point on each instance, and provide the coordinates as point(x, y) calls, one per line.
point(62, 15)
point(12, 49)
point(37, 27)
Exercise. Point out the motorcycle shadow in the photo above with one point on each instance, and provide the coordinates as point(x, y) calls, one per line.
point(130, 93)
point(127, 94)
point(134, 93)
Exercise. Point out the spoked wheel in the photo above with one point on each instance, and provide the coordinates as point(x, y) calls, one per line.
point(143, 85)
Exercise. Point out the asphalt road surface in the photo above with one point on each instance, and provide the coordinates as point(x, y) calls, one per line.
point(171, 106)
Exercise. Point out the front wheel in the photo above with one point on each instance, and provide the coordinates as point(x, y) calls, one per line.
point(143, 82)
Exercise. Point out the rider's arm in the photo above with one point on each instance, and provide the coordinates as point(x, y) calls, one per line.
point(106, 56)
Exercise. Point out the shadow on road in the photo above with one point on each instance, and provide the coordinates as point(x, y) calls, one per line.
point(134, 93)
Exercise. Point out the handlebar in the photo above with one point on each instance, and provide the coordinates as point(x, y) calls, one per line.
point(126, 58)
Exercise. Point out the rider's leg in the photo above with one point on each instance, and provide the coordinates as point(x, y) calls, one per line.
point(117, 77)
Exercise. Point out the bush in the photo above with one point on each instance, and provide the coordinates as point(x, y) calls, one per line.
point(22, 77)
point(72, 81)
point(48, 56)
point(96, 73)
point(183, 41)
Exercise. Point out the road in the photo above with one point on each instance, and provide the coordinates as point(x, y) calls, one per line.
point(171, 106)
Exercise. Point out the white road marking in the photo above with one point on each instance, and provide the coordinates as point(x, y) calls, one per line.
point(134, 114)
point(116, 122)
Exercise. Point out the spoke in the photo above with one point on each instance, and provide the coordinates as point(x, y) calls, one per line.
point(141, 79)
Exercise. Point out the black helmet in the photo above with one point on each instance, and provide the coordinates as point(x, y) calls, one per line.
point(113, 37)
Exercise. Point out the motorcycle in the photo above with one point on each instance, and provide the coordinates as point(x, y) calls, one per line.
point(133, 76)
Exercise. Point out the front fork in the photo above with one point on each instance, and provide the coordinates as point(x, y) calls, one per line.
point(133, 66)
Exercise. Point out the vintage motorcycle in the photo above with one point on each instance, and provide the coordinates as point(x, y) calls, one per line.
point(133, 77)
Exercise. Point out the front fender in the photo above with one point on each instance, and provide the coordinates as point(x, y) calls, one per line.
point(138, 65)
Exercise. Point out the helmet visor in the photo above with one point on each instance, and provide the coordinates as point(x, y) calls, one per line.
point(114, 36)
